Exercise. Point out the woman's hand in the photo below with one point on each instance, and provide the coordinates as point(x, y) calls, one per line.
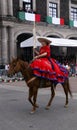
point(35, 57)
point(40, 56)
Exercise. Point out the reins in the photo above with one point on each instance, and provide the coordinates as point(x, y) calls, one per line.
point(31, 79)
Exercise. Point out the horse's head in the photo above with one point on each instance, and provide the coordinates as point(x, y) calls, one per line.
point(16, 66)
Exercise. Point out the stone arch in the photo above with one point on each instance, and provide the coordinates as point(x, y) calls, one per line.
point(16, 34)
point(72, 51)
point(72, 36)
point(23, 53)
point(53, 34)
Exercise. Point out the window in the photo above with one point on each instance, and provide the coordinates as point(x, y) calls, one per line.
point(27, 1)
point(27, 5)
point(73, 13)
point(52, 9)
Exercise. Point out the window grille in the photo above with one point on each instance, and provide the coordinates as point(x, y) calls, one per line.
point(52, 9)
point(73, 13)
point(27, 5)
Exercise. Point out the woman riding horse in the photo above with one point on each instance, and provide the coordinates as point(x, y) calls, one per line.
point(45, 67)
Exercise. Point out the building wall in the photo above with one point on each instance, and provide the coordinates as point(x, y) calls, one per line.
point(41, 8)
point(11, 27)
point(16, 6)
point(64, 10)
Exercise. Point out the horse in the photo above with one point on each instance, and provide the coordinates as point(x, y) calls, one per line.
point(33, 82)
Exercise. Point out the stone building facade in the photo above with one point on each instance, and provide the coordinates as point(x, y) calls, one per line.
point(13, 30)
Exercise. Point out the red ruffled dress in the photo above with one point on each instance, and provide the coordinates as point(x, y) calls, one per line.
point(49, 68)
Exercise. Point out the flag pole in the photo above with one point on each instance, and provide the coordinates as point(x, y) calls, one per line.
point(34, 37)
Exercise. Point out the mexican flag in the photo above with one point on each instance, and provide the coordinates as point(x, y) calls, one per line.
point(21, 15)
point(53, 20)
point(73, 23)
point(29, 16)
point(32, 17)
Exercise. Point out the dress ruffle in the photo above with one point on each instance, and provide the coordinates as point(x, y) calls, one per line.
point(49, 68)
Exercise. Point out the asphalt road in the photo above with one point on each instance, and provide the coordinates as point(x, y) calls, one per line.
point(15, 109)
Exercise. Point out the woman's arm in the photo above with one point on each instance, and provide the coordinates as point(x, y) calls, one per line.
point(41, 55)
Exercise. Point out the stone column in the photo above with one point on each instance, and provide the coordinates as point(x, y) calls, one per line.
point(21, 4)
point(0, 47)
point(10, 7)
point(11, 43)
point(4, 45)
point(3, 7)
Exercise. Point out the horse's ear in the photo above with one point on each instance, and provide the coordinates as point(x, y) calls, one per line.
point(13, 58)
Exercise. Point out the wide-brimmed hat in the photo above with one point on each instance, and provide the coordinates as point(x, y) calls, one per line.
point(44, 40)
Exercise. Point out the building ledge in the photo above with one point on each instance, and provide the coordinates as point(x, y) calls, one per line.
point(9, 20)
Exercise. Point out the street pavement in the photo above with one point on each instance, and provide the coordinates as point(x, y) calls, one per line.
point(15, 108)
point(59, 90)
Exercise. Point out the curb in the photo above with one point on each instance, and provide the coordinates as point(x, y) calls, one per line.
point(10, 80)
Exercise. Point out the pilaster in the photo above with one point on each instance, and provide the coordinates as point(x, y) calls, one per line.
point(0, 46)
point(10, 7)
point(4, 45)
point(3, 7)
point(11, 42)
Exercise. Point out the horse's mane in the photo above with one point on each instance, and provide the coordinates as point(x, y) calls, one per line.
point(26, 66)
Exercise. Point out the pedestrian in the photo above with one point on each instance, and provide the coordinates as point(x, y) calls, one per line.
point(6, 69)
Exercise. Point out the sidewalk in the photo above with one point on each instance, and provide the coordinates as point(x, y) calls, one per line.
point(7, 79)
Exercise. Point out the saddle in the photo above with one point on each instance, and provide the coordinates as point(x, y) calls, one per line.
point(42, 83)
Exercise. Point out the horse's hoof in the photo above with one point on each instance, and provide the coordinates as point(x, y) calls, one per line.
point(65, 105)
point(47, 107)
point(32, 112)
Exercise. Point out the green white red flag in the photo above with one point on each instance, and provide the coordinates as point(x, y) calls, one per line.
point(32, 17)
point(29, 16)
point(54, 20)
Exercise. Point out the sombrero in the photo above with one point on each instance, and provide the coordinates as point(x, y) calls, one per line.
point(44, 40)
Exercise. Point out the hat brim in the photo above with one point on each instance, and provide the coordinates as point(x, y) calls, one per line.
point(44, 40)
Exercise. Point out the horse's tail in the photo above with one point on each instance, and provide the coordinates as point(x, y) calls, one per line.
point(68, 87)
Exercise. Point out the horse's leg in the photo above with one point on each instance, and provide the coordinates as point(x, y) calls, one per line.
point(65, 87)
point(30, 95)
point(52, 96)
point(35, 90)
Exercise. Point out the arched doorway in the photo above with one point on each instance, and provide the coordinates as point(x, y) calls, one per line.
point(24, 53)
point(72, 52)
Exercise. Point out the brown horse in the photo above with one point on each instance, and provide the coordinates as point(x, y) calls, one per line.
point(18, 65)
